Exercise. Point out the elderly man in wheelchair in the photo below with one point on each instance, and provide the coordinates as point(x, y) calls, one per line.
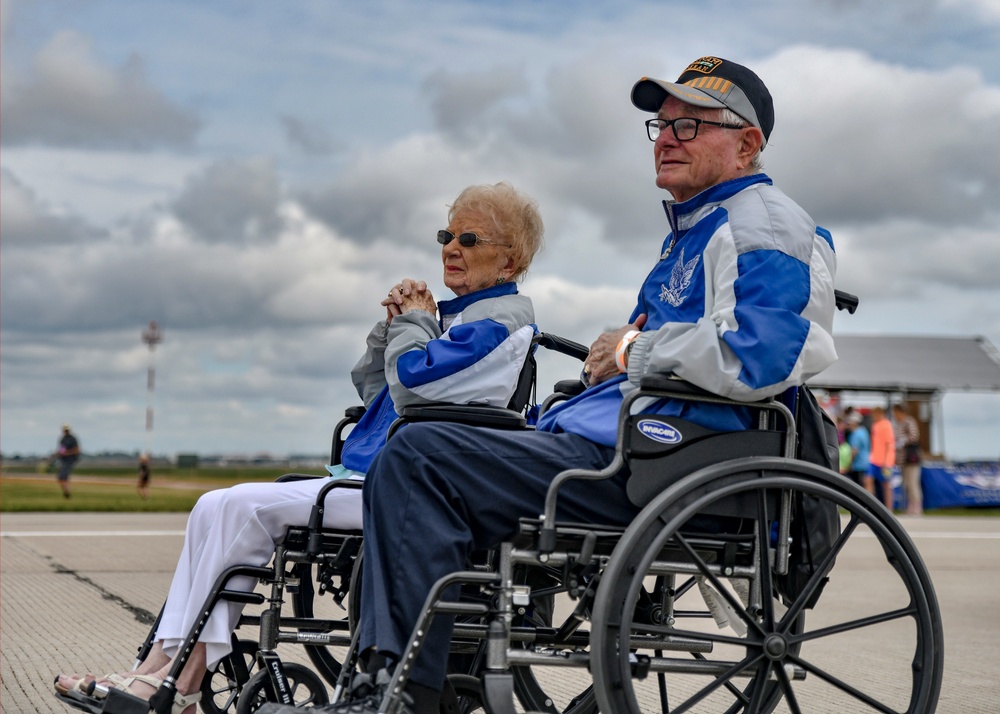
point(740, 304)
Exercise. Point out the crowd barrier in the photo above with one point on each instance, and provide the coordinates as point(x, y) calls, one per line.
point(955, 485)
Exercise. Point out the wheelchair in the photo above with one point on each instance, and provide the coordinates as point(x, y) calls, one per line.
point(720, 596)
point(312, 567)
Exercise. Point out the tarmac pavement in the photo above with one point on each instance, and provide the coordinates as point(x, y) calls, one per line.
point(79, 591)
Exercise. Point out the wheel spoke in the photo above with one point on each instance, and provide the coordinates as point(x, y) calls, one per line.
point(760, 686)
point(737, 606)
point(853, 625)
point(786, 687)
point(764, 572)
point(733, 689)
point(719, 681)
point(817, 577)
point(842, 685)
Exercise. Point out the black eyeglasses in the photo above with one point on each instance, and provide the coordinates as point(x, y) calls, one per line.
point(685, 128)
point(466, 240)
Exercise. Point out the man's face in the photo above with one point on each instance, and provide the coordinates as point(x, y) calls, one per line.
point(686, 168)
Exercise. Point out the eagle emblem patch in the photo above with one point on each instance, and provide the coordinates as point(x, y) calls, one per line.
point(680, 280)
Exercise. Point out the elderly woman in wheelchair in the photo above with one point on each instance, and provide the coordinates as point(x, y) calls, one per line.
point(466, 350)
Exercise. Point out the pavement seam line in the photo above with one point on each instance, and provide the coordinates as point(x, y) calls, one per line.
point(141, 614)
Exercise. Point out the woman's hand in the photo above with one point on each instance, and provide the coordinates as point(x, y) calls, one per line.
point(407, 295)
point(600, 363)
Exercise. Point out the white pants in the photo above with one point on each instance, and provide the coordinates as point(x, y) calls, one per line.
point(239, 526)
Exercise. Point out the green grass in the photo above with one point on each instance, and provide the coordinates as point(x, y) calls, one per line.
point(23, 488)
point(171, 490)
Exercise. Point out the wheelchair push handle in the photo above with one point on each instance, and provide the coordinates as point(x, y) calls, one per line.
point(562, 345)
point(846, 301)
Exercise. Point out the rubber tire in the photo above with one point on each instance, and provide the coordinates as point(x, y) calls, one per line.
point(248, 650)
point(256, 692)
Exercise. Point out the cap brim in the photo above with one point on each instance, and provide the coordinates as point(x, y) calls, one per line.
point(648, 95)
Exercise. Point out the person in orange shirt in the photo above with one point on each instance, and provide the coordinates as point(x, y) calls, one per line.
point(883, 457)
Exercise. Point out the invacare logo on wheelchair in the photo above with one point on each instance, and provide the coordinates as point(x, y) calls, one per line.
point(658, 431)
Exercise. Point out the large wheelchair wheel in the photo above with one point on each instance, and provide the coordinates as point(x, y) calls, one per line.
point(824, 643)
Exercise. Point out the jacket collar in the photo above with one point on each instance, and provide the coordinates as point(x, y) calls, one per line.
point(456, 305)
point(718, 193)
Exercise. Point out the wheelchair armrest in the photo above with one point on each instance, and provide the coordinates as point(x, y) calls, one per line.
point(666, 383)
point(569, 387)
point(352, 415)
point(288, 478)
point(355, 412)
point(472, 414)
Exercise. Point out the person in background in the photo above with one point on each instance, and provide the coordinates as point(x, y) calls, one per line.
point(861, 447)
point(882, 458)
point(66, 455)
point(844, 449)
point(909, 458)
point(142, 485)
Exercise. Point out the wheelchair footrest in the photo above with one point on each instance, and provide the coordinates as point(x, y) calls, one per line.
point(116, 702)
point(498, 692)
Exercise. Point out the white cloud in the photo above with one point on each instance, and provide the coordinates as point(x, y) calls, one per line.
point(69, 98)
point(27, 222)
point(988, 10)
point(232, 201)
point(873, 141)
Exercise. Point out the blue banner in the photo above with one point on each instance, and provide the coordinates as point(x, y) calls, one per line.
point(975, 483)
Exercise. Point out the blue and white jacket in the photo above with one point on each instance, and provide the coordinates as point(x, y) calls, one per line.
point(474, 354)
point(741, 304)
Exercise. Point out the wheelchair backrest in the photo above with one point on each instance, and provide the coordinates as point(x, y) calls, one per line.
point(524, 391)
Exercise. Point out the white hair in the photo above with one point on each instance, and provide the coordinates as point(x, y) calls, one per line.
point(728, 116)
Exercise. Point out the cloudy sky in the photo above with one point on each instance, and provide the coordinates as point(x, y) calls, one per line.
point(255, 175)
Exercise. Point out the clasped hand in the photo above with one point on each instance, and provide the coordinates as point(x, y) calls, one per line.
point(407, 295)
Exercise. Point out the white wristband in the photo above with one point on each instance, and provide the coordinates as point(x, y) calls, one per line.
point(622, 350)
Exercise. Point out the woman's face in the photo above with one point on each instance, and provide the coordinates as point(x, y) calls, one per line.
point(479, 266)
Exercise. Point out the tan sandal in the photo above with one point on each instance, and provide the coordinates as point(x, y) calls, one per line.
point(124, 684)
point(79, 685)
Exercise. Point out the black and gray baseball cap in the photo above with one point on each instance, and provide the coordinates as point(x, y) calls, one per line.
point(716, 83)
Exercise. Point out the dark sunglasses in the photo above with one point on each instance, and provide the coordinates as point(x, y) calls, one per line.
point(466, 240)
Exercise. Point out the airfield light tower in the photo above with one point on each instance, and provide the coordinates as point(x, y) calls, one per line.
point(152, 337)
